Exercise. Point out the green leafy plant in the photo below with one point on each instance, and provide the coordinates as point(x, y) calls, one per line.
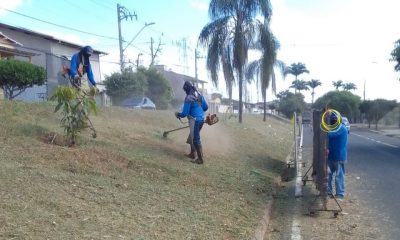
point(76, 105)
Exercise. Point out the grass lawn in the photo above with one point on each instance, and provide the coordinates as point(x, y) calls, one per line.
point(130, 182)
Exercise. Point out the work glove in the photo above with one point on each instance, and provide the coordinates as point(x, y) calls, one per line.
point(177, 115)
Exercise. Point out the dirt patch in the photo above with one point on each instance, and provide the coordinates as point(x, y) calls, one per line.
point(54, 138)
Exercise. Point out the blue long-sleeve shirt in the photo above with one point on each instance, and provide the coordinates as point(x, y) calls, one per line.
point(73, 70)
point(194, 107)
point(338, 144)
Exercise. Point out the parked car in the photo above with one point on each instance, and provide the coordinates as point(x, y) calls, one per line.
point(346, 122)
point(139, 103)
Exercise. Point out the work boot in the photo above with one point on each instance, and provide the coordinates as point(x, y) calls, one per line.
point(192, 153)
point(199, 150)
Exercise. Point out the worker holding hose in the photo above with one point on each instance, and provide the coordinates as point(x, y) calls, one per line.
point(194, 107)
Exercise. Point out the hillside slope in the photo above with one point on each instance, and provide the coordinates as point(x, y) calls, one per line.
point(130, 182)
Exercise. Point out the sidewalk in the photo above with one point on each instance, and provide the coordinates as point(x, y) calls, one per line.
point(291, 218)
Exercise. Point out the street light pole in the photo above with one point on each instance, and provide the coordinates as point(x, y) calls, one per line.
point(137, 34)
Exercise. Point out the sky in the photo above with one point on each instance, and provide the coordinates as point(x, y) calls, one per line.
point(348, 40)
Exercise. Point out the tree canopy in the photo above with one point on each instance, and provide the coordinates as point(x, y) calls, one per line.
point(143, 82)
point(228, 37)
point(16, 76)
point(395, 55)
point(296, 69)
point(263, 68)
point(343, 101)
point(158, 89)
point(127, 83)
point(290, 103)
point(375, 110)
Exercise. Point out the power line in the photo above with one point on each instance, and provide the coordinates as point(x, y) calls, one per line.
point(58, 25)
point(101, 5)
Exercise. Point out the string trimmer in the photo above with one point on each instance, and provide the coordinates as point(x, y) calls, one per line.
point(211, 119)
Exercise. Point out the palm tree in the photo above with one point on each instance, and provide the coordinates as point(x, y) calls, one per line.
point(299, 85)
point(228, 37)
point(349, 86)
point(263, 68)
point(313, 83)
point(296, 69)
point(337, 84)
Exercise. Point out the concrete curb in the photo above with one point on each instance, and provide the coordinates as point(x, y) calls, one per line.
point(261, 232)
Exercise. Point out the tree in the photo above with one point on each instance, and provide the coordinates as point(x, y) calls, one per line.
point(375, 110)
point(290, 103)
point(159, 88)
point(16, 76)
point(337, 84)
point(395, 55)
point(349, 86)
point(127, 83)
point(75, 106)
point(228, 36)
point(343, 101)
point(296, 69)
point(299, 85)
point(313, 83)
point(263, 68)
point(365, 109)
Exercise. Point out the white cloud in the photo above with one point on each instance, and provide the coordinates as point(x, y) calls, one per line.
point(200, 5)
point(10, 5)
point(347, 40)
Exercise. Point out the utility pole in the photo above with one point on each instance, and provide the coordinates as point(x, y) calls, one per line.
point(364, 91)
point(154, 53)
point(151, 49)
point(122, 13)
point(137, 61)
point(196, 56)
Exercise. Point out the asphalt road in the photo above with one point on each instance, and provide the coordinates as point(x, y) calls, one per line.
point(375, 159)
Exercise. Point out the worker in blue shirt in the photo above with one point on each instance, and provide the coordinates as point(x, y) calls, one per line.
point(194, 107)
point(81, 69)
point(337, 157)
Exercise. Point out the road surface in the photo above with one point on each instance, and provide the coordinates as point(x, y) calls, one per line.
point(375, 160)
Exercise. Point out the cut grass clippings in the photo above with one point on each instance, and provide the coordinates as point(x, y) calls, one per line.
point(130, 182)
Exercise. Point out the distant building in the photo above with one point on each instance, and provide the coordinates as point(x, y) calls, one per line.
point(177, 80)
point(42, 50)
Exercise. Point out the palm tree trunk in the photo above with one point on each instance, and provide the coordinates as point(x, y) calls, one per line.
point(312, 97)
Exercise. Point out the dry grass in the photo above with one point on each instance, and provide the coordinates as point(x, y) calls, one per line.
point(130, 182)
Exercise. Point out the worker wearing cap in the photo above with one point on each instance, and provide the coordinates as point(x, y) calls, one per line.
point(337, 156)
point(194, 107)
point(81, 69)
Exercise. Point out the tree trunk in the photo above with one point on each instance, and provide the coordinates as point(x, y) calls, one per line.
point(399, 116)
point(312, 98)
point(240, 95)
point(265, 109)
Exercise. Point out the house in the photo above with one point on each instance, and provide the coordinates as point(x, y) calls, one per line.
point(42, 50)
point(177, 80)
point(138, 102)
